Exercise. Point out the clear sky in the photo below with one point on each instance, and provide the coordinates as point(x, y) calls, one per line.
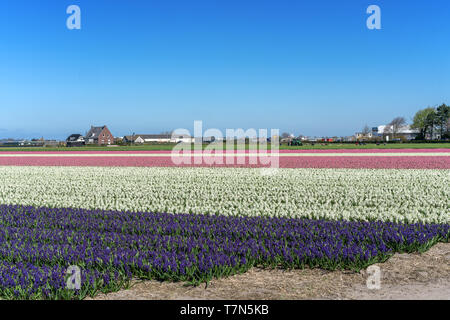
point(306, 67)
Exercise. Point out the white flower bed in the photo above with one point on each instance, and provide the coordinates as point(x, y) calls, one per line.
point(350, 194)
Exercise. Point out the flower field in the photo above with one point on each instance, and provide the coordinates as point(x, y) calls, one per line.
point(119, 216)
point(369, 159)
point(365, 194)
point(112, 246)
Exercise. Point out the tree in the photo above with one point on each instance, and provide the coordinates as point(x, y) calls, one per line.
point(442, 118)
point(285, 135)
point(421, 121)
point(366, 130)
point(430, 122)
point(396, 124)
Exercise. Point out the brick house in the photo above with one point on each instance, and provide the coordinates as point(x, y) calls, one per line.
point(99, 135)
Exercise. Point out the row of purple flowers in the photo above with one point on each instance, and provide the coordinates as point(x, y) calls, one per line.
point(37, 245)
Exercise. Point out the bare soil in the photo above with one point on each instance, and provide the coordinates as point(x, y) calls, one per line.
point(403, 276)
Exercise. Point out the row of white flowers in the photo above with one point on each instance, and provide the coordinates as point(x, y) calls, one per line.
point(350, 194)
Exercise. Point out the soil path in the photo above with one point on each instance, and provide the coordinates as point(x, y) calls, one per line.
point(403, 276)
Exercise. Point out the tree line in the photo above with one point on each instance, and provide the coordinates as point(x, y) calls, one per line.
point(430, 121)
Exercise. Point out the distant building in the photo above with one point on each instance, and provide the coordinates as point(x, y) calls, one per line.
point(405, 132)
point(161, 138)
point(361, 135)
point(158, 138)
point(385, 132)
point(210, 139)
point(99, 135)
point(182, 138)
point(10, 143)
point(147, 138)
point(349, 139)
point(75, 140)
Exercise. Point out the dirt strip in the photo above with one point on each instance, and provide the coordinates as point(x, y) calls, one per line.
point(403, 276)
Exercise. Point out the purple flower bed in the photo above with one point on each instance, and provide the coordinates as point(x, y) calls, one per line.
point(37, 245)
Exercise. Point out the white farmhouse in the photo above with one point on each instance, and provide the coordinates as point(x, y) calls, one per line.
point(158, 138)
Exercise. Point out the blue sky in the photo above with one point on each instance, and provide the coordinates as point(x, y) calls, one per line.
point(307, 67)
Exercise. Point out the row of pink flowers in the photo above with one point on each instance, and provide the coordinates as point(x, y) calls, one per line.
point(280, 151)
point(376, 162)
